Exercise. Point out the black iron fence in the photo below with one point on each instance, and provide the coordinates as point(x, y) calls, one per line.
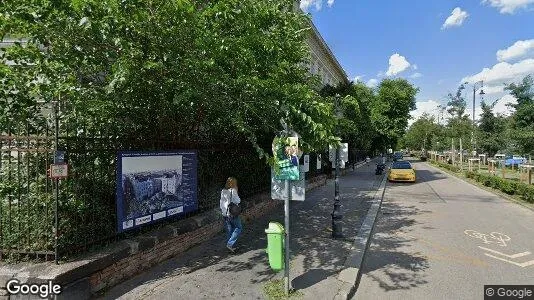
point(86, 198)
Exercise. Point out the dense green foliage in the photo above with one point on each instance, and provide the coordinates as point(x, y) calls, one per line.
point(226, 69)
point(374, 118)
point(218, 76)
point(522, 121)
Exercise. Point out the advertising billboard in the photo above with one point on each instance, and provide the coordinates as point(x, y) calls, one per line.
point(155, 185)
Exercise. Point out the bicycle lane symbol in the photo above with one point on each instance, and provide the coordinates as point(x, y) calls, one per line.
point(492, 238)
point(499, 239)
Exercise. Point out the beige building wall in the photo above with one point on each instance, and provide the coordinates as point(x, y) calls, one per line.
point(322, 61)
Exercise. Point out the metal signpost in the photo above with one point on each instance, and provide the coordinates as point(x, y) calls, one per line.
point(287, 154)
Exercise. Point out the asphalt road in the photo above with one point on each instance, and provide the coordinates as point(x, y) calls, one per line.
point(442, 238)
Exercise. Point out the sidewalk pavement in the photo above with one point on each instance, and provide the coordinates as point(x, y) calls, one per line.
point(208, 271)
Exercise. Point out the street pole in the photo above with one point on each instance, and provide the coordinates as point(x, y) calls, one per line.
point(461, 156)
point(453, 154)
point(474, 124)
point(56, 184)
point(287, 283)
point(337, 231)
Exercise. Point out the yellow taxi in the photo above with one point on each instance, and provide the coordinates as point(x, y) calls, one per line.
point(401, 171)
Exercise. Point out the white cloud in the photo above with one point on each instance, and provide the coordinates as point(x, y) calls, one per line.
point(306, 4)
point(397, 64)
point(503, 72)
point(501, 106)
point(372, 82)
point(519, 49)
point(358, 78)
point(493, 89)
point(416, 75)
point(430, 107)
point(318, 4)
point(508, 6)
point(414, 66)
point(456, 18)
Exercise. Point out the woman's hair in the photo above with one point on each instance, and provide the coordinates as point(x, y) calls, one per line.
point(231, 182)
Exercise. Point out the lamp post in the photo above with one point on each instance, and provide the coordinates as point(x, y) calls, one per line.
point(337, 231)
point(478, 84)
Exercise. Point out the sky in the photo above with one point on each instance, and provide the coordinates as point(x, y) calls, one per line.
point(435, 44)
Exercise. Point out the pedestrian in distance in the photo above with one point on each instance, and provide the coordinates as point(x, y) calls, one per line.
point(228, 203)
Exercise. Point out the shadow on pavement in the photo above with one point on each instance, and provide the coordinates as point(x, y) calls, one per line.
point(315, 255)
point(310, 278)
point(387, 254)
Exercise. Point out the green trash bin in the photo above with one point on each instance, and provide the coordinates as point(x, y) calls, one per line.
point(275, 245)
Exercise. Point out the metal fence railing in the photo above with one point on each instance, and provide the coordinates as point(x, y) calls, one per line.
point(86, 198)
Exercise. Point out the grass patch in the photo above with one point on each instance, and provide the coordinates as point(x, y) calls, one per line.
point(274, 290)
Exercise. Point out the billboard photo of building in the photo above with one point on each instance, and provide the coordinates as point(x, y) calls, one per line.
point(155, 185)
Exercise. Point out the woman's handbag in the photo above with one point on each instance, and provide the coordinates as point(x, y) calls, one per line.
point(233, 208)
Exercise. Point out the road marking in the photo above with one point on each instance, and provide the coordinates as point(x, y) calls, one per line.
point(450, 254)
point(517, 255)
point(492, 238)
point(522, 265)
point(510, 256)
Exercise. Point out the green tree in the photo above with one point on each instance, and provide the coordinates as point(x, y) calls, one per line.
point(457, 103)
point(420, 134)
point(390, 110)
point(218, 71)
point(522, 120)
point(492, 130)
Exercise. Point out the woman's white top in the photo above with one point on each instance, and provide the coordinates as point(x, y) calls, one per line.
point(226, 194)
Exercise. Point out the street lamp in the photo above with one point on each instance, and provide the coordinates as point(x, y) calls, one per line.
point(337, 231)
point(476, 85)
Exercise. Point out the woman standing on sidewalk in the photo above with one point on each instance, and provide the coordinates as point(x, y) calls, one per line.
point(232, 223)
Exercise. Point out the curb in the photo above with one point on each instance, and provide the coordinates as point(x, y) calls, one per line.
point(351, 274)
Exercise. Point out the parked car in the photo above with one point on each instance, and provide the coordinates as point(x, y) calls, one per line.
point(515, 160)
point(401, 171)
point(397, 156)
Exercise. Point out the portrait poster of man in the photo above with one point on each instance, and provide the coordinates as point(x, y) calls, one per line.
point(286, 160)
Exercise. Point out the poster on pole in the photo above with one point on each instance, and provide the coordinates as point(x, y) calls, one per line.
point(286, 157)
point(343, 152)
point(280, 188)
point(319, 161)
point(306, 166)
point(155, 185)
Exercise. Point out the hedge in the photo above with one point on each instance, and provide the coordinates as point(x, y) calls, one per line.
point(452, 168)
point(525, 191)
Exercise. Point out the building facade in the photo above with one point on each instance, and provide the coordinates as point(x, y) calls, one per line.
point(322, 61)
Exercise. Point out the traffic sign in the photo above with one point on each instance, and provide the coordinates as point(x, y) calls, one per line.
point(59, 157)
